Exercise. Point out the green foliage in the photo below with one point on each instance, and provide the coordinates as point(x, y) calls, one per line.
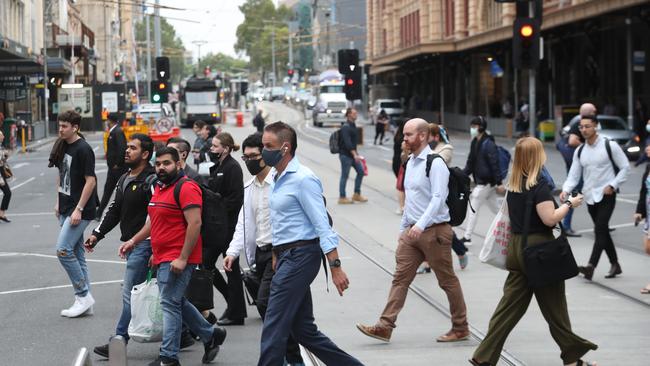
point(254, 35)
point(222, 62)
point(172, 47)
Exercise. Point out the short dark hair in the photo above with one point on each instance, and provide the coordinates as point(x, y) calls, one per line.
point(479, 121)
point(349, 110)
point(70, 116)
point(168, 150)
point(285, 133)
point(146, 143)
point(114, 117)
point(254, 140)
point(183, 144)
point(199, 124)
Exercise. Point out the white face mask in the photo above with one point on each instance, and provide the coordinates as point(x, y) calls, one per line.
point(647, 128)
point(473, 132)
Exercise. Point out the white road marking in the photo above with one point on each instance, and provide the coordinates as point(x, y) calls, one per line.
point(23, 183)
point(619, 199)
point(32, 214)
point(18, 254)
point(55, 287)
point(611, 227)
point(19, 165)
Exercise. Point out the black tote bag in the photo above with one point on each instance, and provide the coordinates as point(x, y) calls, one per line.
point(199, 291)
point(548, 262)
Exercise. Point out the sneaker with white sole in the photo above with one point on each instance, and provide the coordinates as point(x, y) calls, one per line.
point(81, 305)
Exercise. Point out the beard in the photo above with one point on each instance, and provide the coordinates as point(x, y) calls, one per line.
point(165, 177)
point(132, 163)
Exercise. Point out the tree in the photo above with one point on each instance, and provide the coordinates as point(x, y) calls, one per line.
point(222, 63)
point(254, 35)
point(172, 47)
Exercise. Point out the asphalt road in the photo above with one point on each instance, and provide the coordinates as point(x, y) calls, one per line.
point(35, 287)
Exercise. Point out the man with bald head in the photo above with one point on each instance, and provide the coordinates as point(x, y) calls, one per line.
point(425, 234)
point(575, 139)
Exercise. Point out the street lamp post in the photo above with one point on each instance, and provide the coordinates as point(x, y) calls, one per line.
point(199, 44)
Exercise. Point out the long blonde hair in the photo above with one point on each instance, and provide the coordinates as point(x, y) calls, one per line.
point(527, 163)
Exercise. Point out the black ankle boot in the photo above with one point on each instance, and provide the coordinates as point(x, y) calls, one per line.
point(614, 270)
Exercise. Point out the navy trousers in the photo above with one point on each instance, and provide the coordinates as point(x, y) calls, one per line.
point(290, 311)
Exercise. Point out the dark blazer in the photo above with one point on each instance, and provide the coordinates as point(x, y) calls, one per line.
point(227, 179)
point(116, 148)
point(483, 161)
point(641, 205)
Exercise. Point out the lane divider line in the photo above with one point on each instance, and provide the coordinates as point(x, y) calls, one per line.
point(18, 254)
point(23, 183)
point(54, 287)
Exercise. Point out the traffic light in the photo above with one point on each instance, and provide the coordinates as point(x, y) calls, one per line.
point(525, 43)
point(243, 88)
point(348, 60)
point(352, 87)
point(118, 75)
point(159, 91)
point(290, 73)
point(162, 68)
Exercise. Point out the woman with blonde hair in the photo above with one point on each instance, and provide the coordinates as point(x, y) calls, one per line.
point(526, 184)
point(4, 185)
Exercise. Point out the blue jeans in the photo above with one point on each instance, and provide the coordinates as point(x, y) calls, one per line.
point(70, 251)
point(347, 163)
point(177, 310)
point(137, 266)
point(566, 222)
point(290, 311)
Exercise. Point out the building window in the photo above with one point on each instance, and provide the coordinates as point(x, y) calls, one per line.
point(383, 41)
point(449, 18)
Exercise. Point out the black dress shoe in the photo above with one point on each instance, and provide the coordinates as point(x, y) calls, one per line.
point(587, 271)
point(212, 319)
point(572, 234)
point(5, 219)
point(614, 271)
point(101, 350)
point(186, 339)
point(228, 321)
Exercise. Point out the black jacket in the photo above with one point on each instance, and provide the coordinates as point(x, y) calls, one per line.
point(129, 207)
point(227, 179)
point(483, 161)
point(116, 148)
point(349, 138)
point(641, 205)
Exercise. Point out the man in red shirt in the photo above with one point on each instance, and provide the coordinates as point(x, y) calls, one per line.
point(175, 229)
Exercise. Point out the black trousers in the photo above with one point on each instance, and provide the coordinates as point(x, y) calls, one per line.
point(600, 214)
point(112, 176)
point(264, 270)
point(233, 290)
point(6, 192)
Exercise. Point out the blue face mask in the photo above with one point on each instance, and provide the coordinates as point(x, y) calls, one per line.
point(271, 157)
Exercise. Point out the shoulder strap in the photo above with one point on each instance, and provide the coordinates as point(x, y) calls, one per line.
point(177, 191)
point(608, 147)
point(580, 150)
point(430, 159)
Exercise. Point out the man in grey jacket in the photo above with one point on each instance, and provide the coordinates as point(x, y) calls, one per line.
point(253, 232)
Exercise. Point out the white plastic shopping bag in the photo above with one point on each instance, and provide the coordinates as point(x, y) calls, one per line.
point(495, 246)
point(146, 312)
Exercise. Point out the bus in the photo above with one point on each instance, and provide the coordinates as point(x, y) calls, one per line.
point(199, 100)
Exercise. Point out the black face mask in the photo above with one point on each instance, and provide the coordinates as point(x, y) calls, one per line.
point(254, 166)
point(214, 157)
point(165, 178)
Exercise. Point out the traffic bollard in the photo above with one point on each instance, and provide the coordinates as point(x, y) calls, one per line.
point(240, 119)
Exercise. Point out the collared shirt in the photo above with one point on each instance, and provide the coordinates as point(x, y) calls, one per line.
point(425, 197)
point(597, 170)
point(298, 209)
point(260, 200)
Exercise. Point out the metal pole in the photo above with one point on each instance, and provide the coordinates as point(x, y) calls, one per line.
point(156, 28)
point(275, 75)
point(290, 51)
point(45, 77)
point(148, 83)
point(106, 49)
point(630, 84)
point(532, 111)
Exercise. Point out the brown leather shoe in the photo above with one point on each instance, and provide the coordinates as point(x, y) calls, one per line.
point(357, 197)
point(453, 336)
point(345, 201)
point(376, 331)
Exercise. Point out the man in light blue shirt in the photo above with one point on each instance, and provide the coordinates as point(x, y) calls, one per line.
point(301, 235)
point(425, 234)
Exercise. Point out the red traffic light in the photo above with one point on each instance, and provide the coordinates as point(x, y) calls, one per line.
point(290, 72)
point(350, 81)
point(526, 30)
point(117, 74)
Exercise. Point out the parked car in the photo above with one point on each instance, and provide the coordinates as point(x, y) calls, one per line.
point(277, 93)
point(393, 108)
point(615, 129)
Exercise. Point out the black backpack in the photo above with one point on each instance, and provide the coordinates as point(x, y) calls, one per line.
point(459, 191)
point(335, 142)
point(214, 219)
point(609, 154)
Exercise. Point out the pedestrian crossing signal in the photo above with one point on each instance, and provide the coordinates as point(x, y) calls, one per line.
point(526, 43)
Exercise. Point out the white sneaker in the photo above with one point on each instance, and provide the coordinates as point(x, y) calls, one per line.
point(90, 311)
point(80, 306)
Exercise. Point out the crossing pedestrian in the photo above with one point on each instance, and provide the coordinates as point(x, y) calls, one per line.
point(349, 157)
point(567, 148)
point(115, 150)
point(380, 126)
point(253, 234)
point(199, 141)
point(642, 209)
point(525, 183)
point(227, 179)
point(425, 234)
point(258, 121)
point(4, 184)
point(183, 147)
point(603, 166)
point(75, 208)
point(483, 165)
point(174, 229)
point(301, 235)
point(401, 196)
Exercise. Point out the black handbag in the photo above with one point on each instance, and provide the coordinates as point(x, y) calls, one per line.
point(199, 291)
point(548, 262)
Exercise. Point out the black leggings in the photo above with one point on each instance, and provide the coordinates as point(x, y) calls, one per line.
point(379, 132)
point(6, 191)
point(600, 213)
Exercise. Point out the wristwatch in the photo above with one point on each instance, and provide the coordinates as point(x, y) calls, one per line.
point(335, 263)
point(568, 203)
point(81, 209)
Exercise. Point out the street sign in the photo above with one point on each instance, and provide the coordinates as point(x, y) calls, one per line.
point(78, 99)
point(109, 101)
point(638, 61)
point(13, 87)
